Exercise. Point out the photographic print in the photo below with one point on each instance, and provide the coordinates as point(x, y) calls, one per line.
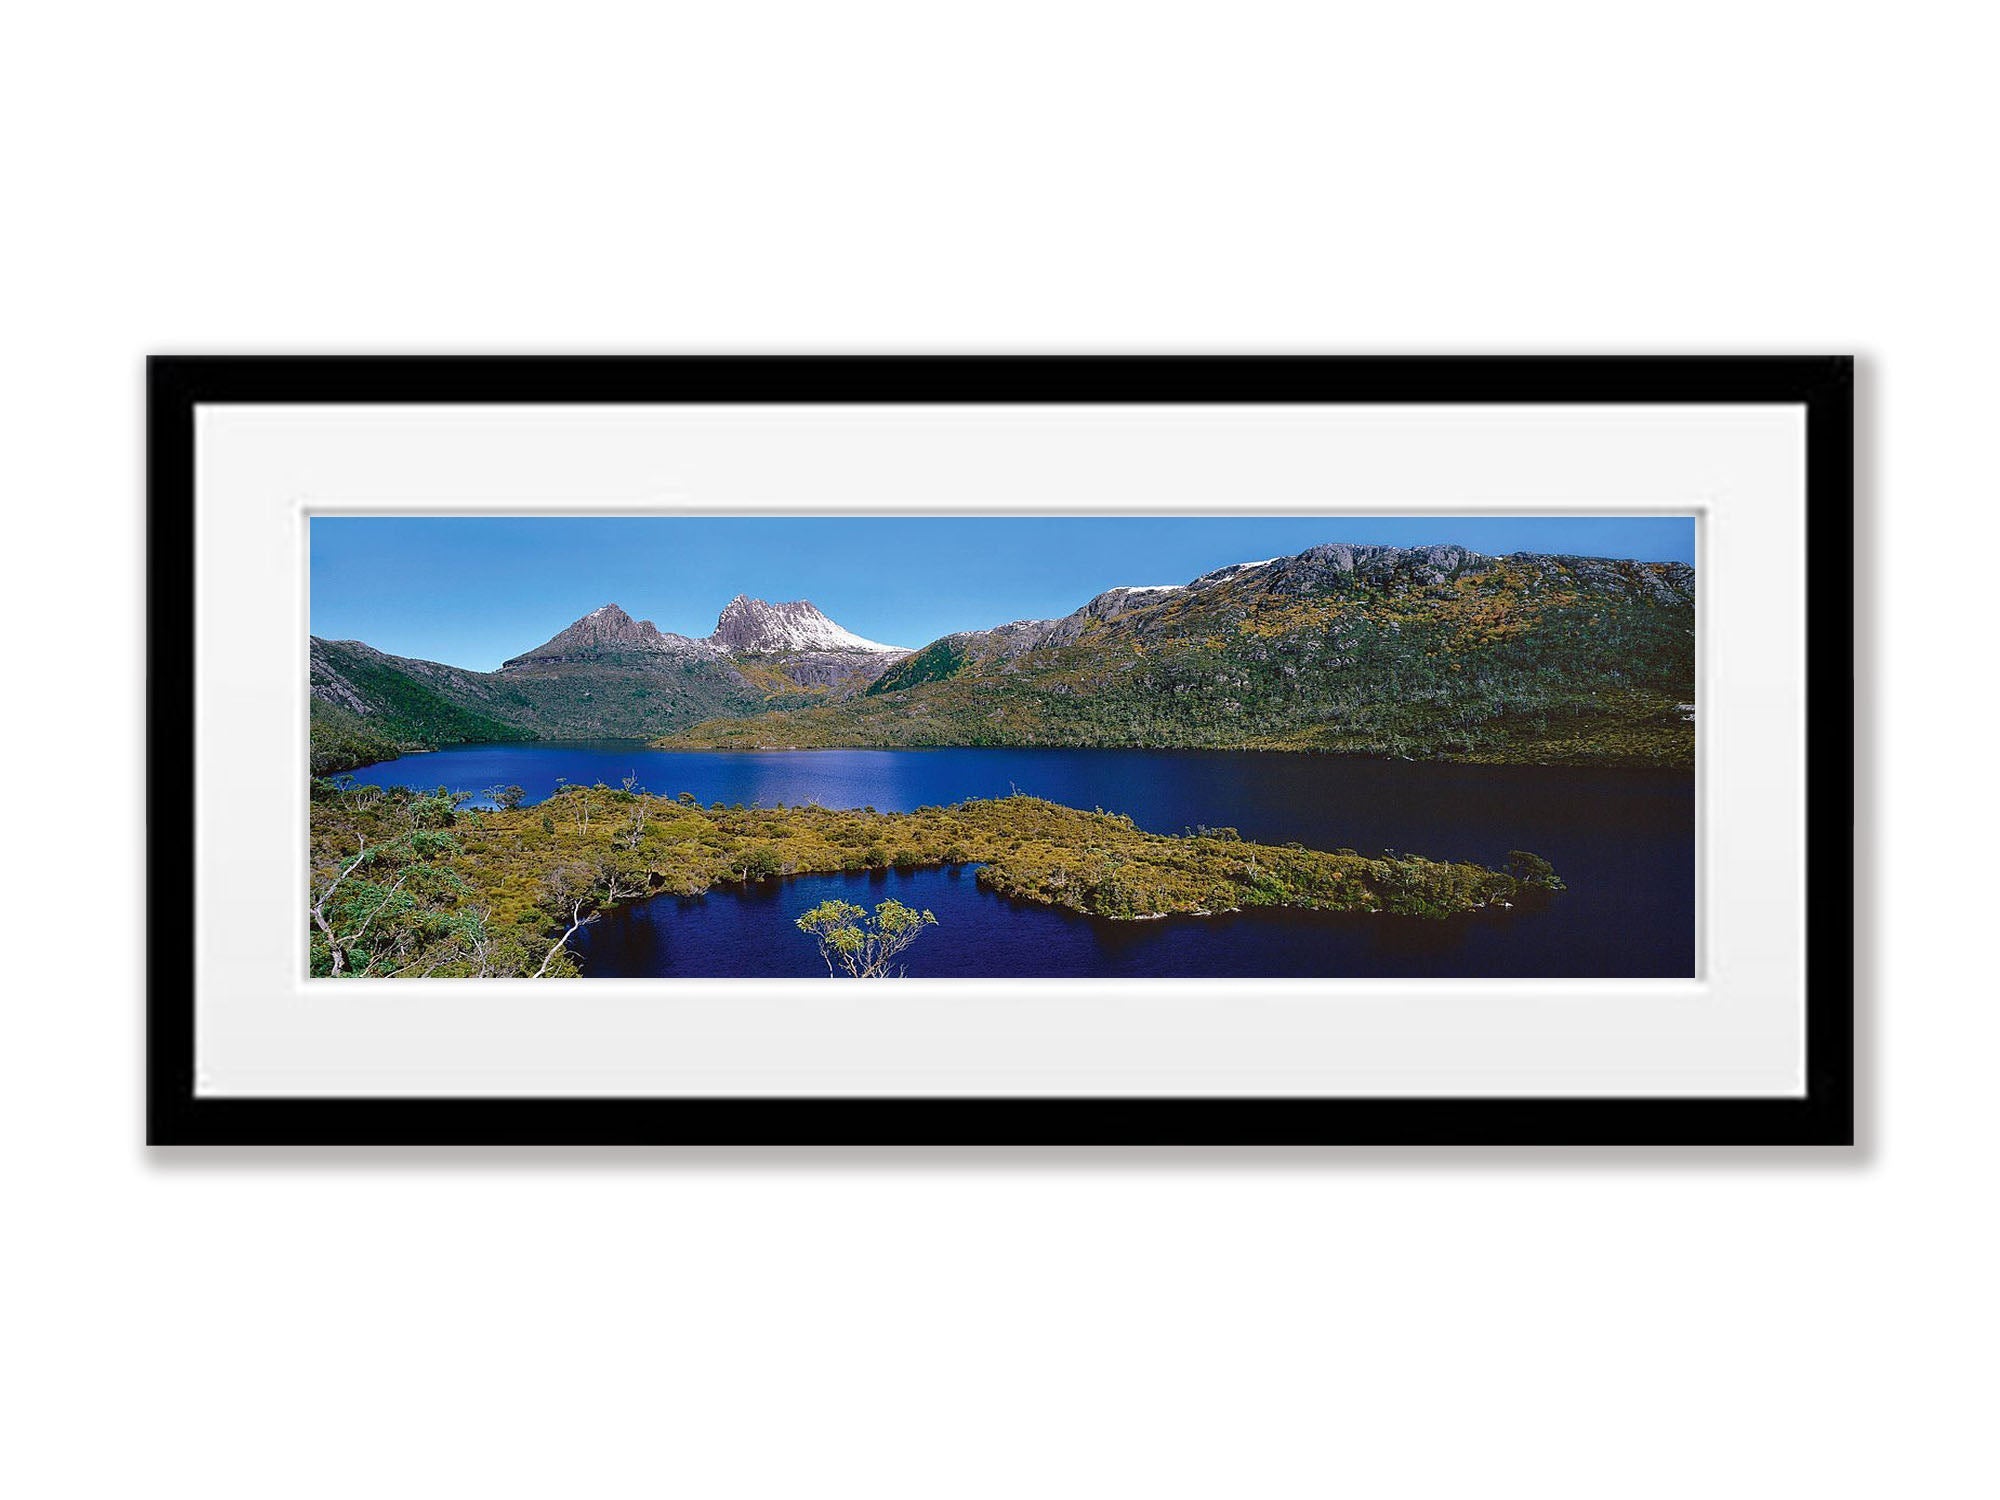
point(1020, 748)
point(1000, 750)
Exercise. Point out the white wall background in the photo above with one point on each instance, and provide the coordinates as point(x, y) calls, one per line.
point(1427, 177)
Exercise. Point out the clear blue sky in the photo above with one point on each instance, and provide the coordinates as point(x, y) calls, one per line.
point(473, 591)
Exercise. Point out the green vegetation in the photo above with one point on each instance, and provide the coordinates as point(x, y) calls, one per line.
point(407, 884)
point(861, 946)
point(367, 706)
point(386, 712)
point(1437, 653)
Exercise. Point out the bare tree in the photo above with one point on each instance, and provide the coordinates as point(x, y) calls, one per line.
point(579, 918)
point(575, 894)
point(340, 944)
point(635, 827)
point(391, 907)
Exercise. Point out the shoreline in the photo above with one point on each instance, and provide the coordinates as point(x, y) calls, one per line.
point(591, 848)
point(1612, 764)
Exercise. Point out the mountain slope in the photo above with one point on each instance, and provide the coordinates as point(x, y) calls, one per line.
point(605, 676)
point(368, 706)
point(1428, 651)
point(607, 633)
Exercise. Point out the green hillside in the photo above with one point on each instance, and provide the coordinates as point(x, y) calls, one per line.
point(1433, 652)
point(368, 706)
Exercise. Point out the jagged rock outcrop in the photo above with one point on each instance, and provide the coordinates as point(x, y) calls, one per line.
point(606, 632)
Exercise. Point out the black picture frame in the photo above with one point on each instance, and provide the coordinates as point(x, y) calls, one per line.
point(1823, 1115)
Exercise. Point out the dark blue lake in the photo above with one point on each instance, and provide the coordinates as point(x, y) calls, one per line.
point(1623, 840)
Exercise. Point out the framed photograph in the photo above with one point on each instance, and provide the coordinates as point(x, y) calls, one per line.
point(1001, 751)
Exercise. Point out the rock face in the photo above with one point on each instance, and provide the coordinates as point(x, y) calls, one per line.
point(607, 632)
point(1337, 566)
point(751, 625)
point(1110, 605)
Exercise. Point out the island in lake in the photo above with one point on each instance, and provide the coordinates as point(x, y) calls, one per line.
point(1349, 759)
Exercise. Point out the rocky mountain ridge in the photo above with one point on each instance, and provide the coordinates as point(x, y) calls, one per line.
point(608, 631)
point(1319, 568)
point(1436, 651)
point(746, 626)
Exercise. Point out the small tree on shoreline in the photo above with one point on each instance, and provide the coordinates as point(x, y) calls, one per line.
point(861, 946)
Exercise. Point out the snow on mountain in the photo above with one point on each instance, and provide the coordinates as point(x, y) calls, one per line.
point(752, 625)
point(1234, 570)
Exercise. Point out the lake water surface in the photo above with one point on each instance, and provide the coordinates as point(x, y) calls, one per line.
point(1623, 840)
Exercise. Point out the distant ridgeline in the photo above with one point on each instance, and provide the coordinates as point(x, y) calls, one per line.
point(1427, 652)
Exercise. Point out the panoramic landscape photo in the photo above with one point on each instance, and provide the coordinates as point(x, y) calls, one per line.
point(1002, 747)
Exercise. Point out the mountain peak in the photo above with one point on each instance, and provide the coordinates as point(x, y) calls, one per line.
point(605, 631)
point(752, 625)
